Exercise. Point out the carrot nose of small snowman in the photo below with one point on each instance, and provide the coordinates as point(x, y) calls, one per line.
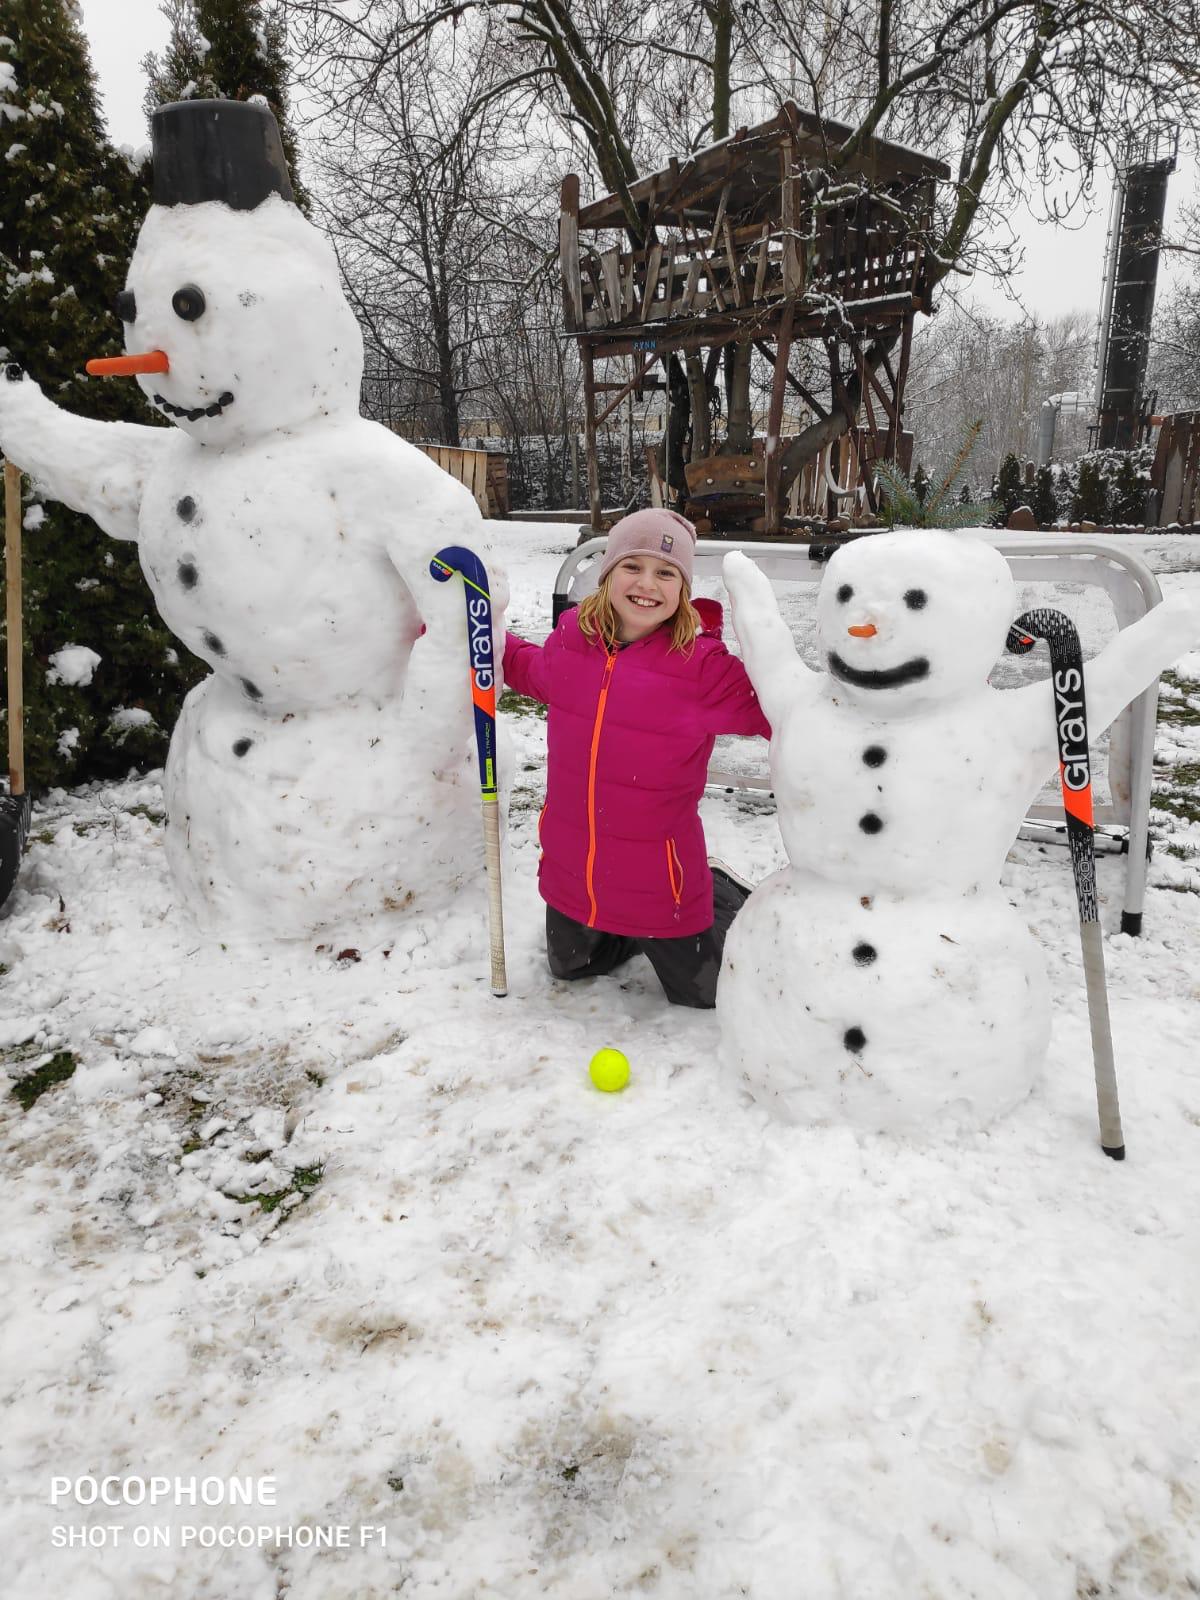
point(863, 630)
point(129, 366)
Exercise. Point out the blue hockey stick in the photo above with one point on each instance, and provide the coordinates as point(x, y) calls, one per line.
point(457, 558)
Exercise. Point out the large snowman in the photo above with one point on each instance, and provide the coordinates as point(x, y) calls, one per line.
point(321, 778)
point(882, 980)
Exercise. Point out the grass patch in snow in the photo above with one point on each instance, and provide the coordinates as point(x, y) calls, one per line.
point(30, 1089)
point(304, 1181)
point(1180, 713)
point(520, 705)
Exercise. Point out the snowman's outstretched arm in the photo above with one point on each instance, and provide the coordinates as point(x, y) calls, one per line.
point(99, 468)
point(775, 670)
point(1132, 661)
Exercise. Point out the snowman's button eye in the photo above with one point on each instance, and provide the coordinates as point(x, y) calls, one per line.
point(845, 593)
point(126, 306)
point(188, 302)
point(915, 599)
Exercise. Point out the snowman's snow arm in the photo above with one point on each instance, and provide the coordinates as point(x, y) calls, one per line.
point(99, 468)
point(1131, 662)
point(775, 670)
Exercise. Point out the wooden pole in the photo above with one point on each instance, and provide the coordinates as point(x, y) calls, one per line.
point(589, 423)
point(16, 686)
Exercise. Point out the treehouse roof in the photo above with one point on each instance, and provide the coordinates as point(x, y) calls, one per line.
point(688, 189)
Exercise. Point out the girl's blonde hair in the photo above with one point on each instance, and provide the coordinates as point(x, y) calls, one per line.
point(597, 619)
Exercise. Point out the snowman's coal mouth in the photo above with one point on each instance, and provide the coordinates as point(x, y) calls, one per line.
point(194, 413)
point(881, 677)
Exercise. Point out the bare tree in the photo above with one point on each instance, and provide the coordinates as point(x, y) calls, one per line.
point(413, 191)
point(1022, 97)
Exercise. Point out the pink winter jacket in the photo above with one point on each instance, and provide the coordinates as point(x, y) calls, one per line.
point(629, 739)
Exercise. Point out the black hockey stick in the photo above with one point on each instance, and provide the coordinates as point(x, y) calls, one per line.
point(1075, 770)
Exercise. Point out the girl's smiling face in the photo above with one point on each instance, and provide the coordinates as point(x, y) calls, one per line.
point(645, 592)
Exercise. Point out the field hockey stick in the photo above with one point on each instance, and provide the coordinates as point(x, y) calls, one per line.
point(457, 558)
point(1075, 771)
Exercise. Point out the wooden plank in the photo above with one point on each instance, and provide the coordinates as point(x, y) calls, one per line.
point(735, 276)
point(651, 284)
point(788, 213)
point(610, 267)
point(568, 253)
point(760, 273)
point(599, 311)
point(772, 455)
point(713, 476)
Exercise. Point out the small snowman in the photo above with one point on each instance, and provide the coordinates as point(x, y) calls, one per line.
point(321, 777)
point(882, 980)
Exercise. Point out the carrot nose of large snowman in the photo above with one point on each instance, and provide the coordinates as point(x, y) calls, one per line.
point(863, 630)
point(129, 366)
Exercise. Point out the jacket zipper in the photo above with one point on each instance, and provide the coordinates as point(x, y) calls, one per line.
point(675, 874)
point(593, 911)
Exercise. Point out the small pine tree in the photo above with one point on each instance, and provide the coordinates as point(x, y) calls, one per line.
point(938, 506)
point(1128, 492)
point(1008, 488)
point(226, 50)
point(920, 483)
point(1045, 504)
point(965, 496)
point(70, 207)
point(1091, 495)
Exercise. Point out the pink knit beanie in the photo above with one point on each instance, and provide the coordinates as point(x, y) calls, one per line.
point(654, 532)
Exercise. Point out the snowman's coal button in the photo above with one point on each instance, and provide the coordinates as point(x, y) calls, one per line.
point(186, 508)
point(187, 574)
point(870, 822)
point(854, 1039)
point(240, 746)
point(874, 755)
point(251, 689)
point(214, 644)
point(864, 953)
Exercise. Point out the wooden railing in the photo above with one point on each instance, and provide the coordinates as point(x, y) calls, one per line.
point(732, 269)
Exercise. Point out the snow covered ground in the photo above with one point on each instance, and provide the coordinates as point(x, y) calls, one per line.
point(358, 1227)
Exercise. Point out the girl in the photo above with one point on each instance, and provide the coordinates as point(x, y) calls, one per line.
point(637, 692)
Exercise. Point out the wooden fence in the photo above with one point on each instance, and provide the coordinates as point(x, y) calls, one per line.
point(1175, 475)
point(484, 472)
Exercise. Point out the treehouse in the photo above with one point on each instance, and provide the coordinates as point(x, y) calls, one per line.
point(773, 241)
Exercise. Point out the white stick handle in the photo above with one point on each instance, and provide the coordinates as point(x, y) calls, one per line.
point(1112, 1136)
point(491, 858)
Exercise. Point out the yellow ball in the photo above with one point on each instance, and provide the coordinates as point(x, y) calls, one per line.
point(609, 1070)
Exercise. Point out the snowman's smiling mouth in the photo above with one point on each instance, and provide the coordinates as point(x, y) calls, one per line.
point(879, 677)
point(194, 413)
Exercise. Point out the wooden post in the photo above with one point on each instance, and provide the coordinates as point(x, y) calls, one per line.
point(773, 457)
point(589, 424)
point(16, 685)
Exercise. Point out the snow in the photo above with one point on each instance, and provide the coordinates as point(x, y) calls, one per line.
point(558, 1343)
point(74, 664)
